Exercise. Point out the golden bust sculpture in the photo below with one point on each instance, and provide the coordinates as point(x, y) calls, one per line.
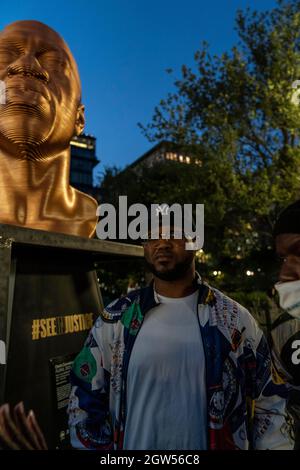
point(40, 113)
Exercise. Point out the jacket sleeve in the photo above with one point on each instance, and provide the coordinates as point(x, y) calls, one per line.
point(271, 425)
point(88, 409)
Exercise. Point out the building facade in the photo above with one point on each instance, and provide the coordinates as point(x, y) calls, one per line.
point(83, 162)
point(163, 151)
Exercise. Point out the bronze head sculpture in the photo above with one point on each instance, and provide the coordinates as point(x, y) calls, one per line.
point(41, 113)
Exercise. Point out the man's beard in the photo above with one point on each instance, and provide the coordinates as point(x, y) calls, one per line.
point(178, 272)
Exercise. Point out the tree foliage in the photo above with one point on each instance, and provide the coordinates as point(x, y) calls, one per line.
point(236, 110)
point(236, 114)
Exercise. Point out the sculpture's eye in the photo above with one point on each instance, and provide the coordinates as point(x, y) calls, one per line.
point(52, 60)
point(8, 55)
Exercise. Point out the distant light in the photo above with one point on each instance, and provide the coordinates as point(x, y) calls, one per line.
point(217, 273)
point(249, 273)
point(82, 145)
point(295, 95)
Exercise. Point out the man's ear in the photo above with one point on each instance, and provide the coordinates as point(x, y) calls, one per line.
point(80, 120)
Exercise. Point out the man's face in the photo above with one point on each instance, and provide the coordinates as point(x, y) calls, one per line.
point(168, 259)
point(42, 87)
point(288, 249)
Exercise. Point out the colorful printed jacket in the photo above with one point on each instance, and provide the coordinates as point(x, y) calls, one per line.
point(245, 408)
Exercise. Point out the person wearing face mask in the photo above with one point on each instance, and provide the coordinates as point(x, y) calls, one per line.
point(285, 332)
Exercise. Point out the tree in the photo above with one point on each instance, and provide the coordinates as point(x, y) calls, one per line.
point(235, 113)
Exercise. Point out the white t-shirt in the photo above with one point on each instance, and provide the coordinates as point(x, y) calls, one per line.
point(166, 395)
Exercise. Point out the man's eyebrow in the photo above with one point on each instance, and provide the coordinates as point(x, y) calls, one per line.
point(292, 246)
point(296, 244)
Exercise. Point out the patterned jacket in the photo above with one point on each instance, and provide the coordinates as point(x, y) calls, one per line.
point(245, 408)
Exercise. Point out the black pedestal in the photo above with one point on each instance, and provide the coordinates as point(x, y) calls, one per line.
point(49, 298)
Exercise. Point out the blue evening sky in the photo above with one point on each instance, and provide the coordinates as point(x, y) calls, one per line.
point(123, 48)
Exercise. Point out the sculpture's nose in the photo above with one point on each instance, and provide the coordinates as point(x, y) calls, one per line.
point(28, 65)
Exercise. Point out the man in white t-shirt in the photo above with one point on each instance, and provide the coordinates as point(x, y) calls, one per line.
point(173, 415)
point(176, 365)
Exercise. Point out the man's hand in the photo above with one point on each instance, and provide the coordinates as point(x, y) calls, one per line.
point(20, 431)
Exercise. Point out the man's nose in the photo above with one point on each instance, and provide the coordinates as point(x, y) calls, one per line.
point(28, 64)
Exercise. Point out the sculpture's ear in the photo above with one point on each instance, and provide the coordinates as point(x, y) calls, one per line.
point(80, 120)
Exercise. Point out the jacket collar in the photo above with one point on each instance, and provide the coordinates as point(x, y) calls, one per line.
point(148, 298)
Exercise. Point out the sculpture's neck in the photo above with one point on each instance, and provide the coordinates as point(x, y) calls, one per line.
point(37, 194)
point(28, 188)
point(29, 174)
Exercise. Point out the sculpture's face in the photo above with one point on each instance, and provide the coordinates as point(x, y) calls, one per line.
point(42, 89)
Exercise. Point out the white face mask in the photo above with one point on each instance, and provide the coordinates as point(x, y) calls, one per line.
point(289, 297)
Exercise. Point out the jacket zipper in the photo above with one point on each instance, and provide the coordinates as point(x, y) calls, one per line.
point(123, 389)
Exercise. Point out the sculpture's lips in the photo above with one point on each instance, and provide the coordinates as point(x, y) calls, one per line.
point(31, 84)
